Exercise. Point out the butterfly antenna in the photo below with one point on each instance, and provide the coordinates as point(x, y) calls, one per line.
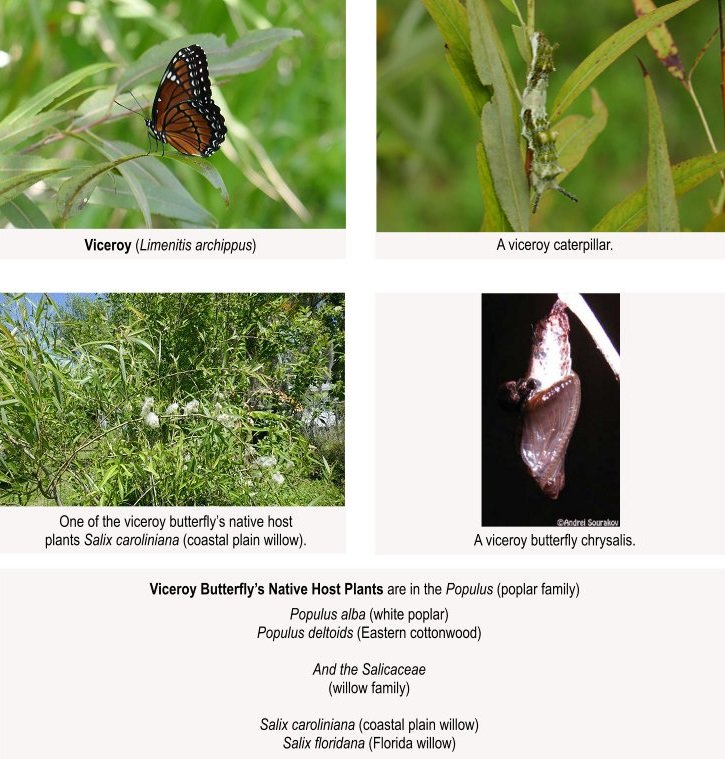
point(137, 103)
point(140, 111)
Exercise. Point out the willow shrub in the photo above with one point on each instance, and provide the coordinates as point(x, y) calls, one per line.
point(164, 399)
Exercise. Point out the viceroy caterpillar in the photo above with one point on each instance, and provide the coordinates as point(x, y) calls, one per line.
point(183, 113)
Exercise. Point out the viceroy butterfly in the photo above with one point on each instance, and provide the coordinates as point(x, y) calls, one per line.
point(184, 114)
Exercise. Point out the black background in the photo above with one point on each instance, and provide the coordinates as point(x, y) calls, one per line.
point(510, 496)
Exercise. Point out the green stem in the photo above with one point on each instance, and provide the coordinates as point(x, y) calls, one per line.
point(531, 17)
point(700, 112)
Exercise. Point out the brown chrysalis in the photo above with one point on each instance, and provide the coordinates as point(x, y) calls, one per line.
point(548, 399)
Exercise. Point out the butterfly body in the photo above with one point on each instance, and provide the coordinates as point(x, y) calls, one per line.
point(184, 114)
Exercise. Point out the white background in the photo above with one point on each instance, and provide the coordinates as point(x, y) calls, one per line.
point(361, 276)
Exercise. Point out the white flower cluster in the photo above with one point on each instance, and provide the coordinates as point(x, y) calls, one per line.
point(266, 462)
point(149, 417)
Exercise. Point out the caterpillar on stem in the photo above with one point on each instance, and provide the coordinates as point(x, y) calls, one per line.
point(542, 157)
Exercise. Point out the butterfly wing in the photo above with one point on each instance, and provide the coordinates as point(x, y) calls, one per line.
point(184, 114)
point(548, 422)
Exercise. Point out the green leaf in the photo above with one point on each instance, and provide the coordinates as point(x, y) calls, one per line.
point(14, 134)
point(165, 194)
point(510, 6)
point(631, 213)
point(13, 186)
point(577, 133)
point(46, 96)
point(250, 51)
point(662, 211)
point(476, 98)
point(522, 43)
point(23, 213)
point(498, 126)
point(206, 169)
point(20, 164)
point(75, 192)
point(452, 21)
point(247, 54)
point(494, 219)
point(608, 52)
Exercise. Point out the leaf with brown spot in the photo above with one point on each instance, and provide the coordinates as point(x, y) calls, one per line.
point(662, 42)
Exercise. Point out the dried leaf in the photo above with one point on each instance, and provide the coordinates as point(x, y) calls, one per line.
point(662, 42)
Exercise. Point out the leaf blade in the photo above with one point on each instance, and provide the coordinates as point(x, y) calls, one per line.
point(631, 213)
point(662, 212)
point(452, 22)
point(578, 133)
point(662, 42)
point(611, 49)
point(498, 126)
point(52, 92)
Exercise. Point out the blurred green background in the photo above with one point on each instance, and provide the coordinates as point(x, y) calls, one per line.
point(293, 106)
point(427, 178)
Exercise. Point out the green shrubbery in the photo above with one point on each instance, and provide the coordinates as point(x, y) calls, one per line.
point(181, 399)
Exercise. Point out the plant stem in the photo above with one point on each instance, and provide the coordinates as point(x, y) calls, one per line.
point(577, 305)
point(531, 17)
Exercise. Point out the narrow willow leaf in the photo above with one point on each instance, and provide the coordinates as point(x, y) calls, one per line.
point(662, 42)
point(247, 54)
point(163, 201)
point(52, 92)
point(97, 106)
point(119, 152)
point(13, 186)
point(206, 169)
point(577, 133)
point(631, 213)
point(23, 213)
point(498, 126)
point(662, 212)
point(510, 5)
point(250, 51)
point(13, 134)
point(452, 22)
point(164, 193)
point(74, 193)
point(522, 43)
point(494, 219)
point(19, 164)
point(608, 52)
point(475, 98)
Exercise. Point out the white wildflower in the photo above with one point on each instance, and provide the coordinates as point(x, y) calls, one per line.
point(172, 408)
point(151, 419)
point(226, 419)
point(265, 461)
point(192, 407)
point(218, 408)
point(148, 404)
point(278, 478)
